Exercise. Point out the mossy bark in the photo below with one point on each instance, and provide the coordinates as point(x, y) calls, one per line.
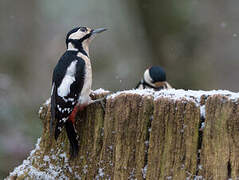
point(139, 137)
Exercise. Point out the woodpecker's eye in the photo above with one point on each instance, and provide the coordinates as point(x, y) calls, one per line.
point(83, 29)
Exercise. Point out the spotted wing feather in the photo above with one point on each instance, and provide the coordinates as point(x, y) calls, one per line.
point(62, 106)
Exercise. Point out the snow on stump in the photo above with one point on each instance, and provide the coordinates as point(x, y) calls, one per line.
point(142, 134)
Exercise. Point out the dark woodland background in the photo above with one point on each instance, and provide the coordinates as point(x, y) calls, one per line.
point(197, 42)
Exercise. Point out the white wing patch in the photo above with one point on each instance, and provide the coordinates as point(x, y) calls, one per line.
point(147, 77)
point(64, 88)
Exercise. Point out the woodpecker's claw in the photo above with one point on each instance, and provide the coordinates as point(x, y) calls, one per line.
point(102, 102)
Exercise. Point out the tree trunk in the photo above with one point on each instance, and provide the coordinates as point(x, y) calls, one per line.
point(144, 135)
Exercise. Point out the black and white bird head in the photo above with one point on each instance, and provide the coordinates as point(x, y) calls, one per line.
point(155, 78)
point(78, 39)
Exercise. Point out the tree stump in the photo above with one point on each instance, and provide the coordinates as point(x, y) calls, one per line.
point(142, 134)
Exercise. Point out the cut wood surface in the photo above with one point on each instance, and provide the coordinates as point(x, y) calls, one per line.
point(142, 134)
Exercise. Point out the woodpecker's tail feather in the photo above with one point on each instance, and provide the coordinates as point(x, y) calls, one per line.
point(57, 131)
point(53, 113)
point(72, 136)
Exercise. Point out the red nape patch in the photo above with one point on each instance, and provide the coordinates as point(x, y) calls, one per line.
point(72, 117)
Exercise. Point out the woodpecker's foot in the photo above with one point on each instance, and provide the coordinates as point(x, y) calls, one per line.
point(102, 102)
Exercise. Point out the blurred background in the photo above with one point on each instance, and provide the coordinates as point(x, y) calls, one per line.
point(197, 42)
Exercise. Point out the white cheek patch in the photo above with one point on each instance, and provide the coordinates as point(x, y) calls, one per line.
point(64, 88)
point(147, 77)
point(77, 35)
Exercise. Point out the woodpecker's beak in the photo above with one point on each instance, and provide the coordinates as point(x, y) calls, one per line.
point(99, 30)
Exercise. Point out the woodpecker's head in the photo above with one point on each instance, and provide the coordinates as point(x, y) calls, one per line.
point(154, 74)
point(79, 38)
point(154, 77)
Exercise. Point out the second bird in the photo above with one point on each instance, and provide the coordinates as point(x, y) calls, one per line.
point(71, 84)
point(155, 78)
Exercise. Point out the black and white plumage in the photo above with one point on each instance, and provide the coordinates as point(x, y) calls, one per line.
point(71, 83)
point(154, 78)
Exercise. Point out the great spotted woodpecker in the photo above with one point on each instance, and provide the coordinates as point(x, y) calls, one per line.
point(71, 84)
point(155, 78)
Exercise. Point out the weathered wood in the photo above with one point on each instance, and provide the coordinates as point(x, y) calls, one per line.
point(173, 140)
point(220, 145)
point(144, 136)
